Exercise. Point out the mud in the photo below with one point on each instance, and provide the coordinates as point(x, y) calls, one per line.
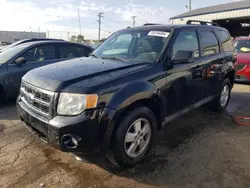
point(201, 149)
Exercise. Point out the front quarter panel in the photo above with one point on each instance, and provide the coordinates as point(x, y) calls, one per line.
point(131, 93)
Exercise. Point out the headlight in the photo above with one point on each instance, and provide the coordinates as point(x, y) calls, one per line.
point(75, 104)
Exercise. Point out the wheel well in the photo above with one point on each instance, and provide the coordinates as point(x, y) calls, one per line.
point(231, 76)
point(152, 104)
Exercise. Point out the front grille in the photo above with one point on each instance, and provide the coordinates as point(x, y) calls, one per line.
point(38, 100)
point(240, 66)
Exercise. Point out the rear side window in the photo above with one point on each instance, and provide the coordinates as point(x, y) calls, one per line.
point(69, 51)
point(225, 38)
point(209, 43)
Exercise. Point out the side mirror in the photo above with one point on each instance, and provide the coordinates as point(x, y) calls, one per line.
point(183, 56)
point(20, 61)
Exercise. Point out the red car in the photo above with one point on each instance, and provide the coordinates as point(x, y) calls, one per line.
point(242, 45)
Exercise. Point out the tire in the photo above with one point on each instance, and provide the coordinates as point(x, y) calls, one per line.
point(219, 104)
point(128, 149)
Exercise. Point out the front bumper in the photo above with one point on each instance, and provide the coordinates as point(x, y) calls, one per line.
point(243, 75)
point(90, 129)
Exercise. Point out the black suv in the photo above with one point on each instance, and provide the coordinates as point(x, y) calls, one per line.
point(116, 100)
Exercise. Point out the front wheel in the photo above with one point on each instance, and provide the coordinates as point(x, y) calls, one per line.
point(221, 101)
point(134, 137)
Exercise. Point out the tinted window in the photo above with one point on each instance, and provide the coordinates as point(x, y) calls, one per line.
point(186, 41)
point(40, 53)
point(68, 51)
point(227, 43)
point(209, 43)
point(87, 51)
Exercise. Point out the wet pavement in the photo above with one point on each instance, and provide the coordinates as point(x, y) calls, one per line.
point(200, 149)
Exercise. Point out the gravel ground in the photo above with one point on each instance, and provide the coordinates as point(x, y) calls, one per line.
point(201, 149)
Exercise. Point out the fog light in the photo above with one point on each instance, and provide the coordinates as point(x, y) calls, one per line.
point(69, 141)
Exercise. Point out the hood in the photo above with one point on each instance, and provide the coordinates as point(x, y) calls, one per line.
point(90, 71)
point(243, 58)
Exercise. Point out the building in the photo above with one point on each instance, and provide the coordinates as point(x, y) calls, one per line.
point(233, 16)
point(13, 36)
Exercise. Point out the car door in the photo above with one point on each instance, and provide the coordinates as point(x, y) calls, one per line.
point(183, 84)
point(212, 59)
point(36, 56)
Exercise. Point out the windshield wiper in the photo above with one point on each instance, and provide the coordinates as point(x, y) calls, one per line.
point(113, 58)
point(93, 55)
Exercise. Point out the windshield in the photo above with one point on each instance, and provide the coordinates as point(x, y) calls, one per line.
point(242, 46)
point(7, 54)
point(130, 45)
point(11, 45)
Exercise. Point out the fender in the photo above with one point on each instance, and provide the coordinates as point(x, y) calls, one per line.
point(131, 93)
point(126, 97)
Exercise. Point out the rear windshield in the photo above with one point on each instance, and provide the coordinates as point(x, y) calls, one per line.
point(242, 46)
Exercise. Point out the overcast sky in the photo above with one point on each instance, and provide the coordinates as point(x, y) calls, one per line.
point(61, 16)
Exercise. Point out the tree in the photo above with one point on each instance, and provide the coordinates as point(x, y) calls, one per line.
point(80, 38)
point(73, 38)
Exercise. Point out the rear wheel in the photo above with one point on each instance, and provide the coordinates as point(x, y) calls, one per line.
point(221, 101)
point(134, 137)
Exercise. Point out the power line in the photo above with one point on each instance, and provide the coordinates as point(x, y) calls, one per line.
point(100, 16)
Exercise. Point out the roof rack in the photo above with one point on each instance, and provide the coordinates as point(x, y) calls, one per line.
point(146, 24)
point(189, 22)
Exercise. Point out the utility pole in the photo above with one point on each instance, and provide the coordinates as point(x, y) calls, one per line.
point(133, 17)
point(39, 32)
point(100, 16)
point(79, 18)
point(48, 34)
point(190, 5)
point(68, 36)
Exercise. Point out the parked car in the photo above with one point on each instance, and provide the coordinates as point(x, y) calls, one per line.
point(115, 101)
point(242, 45)
point(17, 61)
point(28, 40)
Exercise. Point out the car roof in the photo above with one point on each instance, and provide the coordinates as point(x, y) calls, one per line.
point(172, 26)
point(53, 42)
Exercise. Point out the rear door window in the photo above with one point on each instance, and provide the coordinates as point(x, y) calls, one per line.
point(69, 51)
point(208, 42)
